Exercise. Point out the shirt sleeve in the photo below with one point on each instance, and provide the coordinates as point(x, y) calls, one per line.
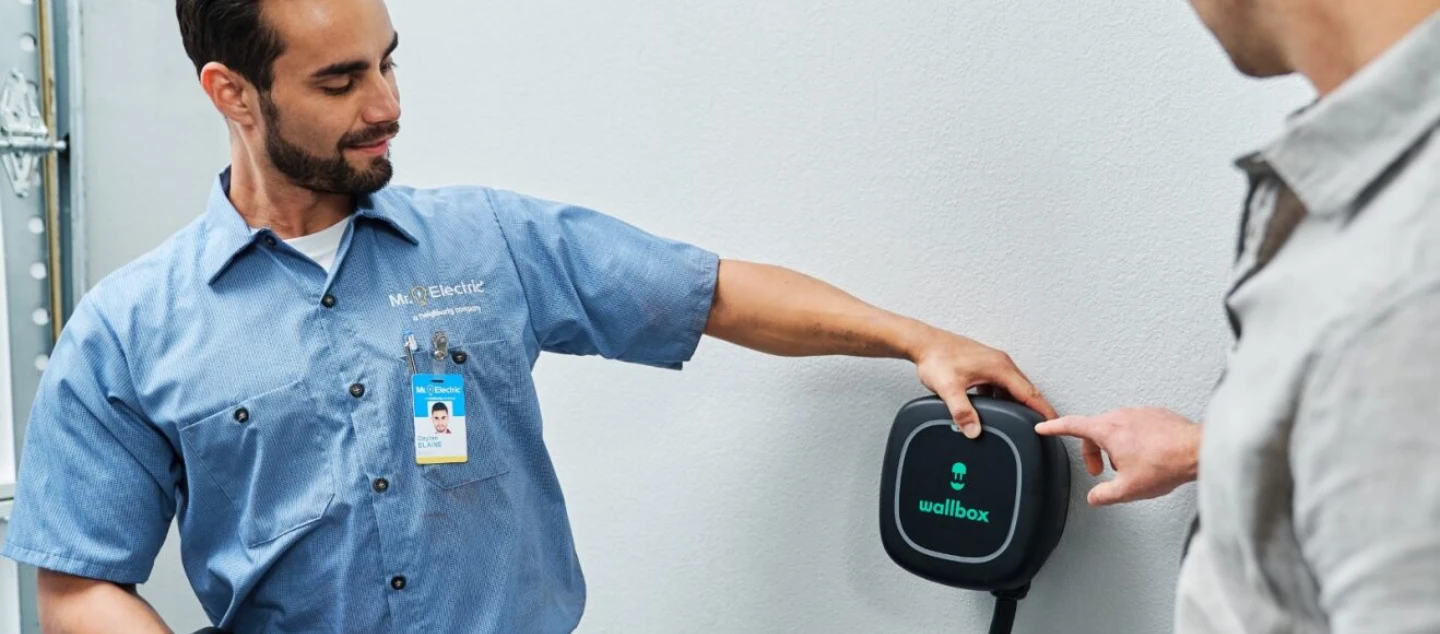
point(97, 482)
point(596, 285)
point(1365, 454)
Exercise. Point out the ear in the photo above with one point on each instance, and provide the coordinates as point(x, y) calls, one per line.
point(229, 92)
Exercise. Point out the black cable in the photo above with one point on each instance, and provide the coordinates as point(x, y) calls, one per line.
point(1006, 602)
point(1004, 618)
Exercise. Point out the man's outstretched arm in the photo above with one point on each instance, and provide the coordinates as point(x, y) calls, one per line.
point(779, 311)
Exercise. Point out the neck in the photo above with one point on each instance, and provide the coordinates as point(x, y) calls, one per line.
point(1333, 39)
point(266, 198)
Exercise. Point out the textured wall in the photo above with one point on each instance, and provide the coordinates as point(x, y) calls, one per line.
point(1052, 178)
point(153, 142)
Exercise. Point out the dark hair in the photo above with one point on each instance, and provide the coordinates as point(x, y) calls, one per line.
point(233, 33)
point(439, 407)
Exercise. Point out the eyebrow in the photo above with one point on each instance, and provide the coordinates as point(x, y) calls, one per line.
point(353, 66)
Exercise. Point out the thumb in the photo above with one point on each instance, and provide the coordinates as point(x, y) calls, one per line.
point(1106, 493)
point(963, 413)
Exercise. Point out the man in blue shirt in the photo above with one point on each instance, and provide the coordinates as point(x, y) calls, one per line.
point(256, 377)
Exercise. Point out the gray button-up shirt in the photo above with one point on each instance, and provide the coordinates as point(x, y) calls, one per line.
point(1319, 487)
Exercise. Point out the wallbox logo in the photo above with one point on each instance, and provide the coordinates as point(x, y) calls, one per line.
point(954, 508)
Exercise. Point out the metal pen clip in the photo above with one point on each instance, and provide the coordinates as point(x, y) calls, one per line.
point(410, 347)
point(441, 350)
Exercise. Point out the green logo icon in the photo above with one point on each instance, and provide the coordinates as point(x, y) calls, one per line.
point(957, 476)
point(420, 295)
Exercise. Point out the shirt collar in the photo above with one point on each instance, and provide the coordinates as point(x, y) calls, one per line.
point(1334, 150)
point(225, 235)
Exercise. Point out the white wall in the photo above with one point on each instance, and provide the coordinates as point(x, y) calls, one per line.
point(1052, 178)
point(153, 142)
point(9, 582)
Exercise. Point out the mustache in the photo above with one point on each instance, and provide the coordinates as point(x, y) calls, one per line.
point(370, 135)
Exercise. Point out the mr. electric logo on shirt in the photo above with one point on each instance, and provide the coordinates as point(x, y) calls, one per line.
point(422, 296)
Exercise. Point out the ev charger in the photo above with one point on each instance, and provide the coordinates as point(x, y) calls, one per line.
point(980, 514)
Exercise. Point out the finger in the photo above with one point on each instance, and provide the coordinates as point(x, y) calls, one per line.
point(1094, 460)
point(1021, 389)
point(963, 413)
point(1106, 493)
point(1082, 427)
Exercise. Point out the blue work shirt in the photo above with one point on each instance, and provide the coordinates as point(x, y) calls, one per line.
point(229, 382)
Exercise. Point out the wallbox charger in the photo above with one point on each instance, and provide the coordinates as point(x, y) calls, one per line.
point(980, 514)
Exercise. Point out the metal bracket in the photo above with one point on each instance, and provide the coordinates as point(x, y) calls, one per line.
point(24, 139)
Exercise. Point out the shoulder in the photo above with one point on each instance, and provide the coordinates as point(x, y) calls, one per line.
point(149, 287)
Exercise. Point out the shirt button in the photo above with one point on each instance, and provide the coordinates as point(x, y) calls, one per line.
point(357, 390)
point(382, 485)
point(459, 356)
point(397, 582)
point(328, 301)
point(242, 415)
point(270, 240)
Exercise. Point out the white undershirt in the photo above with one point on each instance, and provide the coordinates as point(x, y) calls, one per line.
point(322, 245)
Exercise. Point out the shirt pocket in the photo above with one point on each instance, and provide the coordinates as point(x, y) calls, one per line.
point(492, 404)
point(270, 455)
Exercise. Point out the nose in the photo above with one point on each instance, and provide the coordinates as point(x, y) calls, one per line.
point(384, 101)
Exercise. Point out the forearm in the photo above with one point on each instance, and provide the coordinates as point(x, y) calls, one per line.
point(782, 312)
point(76, 605)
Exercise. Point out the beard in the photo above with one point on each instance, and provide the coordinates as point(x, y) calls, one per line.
point(327, 174)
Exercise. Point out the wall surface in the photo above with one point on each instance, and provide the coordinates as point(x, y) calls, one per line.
point(9, 583)
point(1051, 178)
point(156, 141)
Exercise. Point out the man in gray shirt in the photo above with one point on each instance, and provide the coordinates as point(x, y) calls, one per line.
point(1318, 511)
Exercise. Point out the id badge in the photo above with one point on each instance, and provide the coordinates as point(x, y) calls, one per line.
point(439, 418)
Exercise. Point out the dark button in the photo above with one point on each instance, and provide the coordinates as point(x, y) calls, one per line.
point(270, 240)
point(357, 390)
point(242, 415)
point(397, 582)
point(459, 356)
point(381, 485)
point(328, 301)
